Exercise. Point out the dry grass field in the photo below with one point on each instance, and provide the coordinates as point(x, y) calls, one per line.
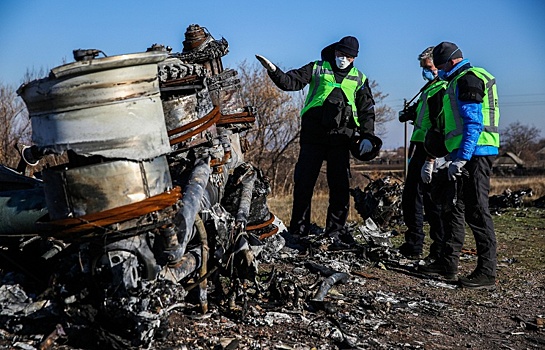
point(281, 205)
point(536, 183)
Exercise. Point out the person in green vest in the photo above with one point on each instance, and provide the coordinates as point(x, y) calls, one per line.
point(471, 119)
point(339, 104)
point(416, 198)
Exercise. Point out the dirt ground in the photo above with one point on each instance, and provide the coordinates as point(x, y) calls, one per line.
point(384, 303)
point(384, 306)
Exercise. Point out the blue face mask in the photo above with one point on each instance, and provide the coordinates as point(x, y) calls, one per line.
point(427, 74)
point(442, 74)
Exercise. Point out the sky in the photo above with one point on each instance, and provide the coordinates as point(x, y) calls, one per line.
point(506, 37)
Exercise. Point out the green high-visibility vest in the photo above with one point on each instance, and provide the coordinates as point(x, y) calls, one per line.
point(454, 125)
point(323, 82)
point(423, 123)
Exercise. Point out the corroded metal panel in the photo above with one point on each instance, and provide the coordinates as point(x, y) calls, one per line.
point(94, 188)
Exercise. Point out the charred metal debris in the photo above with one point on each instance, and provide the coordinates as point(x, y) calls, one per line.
point(154, 200)
point(380, 200)
point(157, 212)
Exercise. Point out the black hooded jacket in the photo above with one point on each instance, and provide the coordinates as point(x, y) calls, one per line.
point(317, 126)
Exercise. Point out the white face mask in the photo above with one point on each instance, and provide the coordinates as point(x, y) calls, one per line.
point(342, 62)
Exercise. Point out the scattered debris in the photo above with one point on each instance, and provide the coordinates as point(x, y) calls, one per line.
point(509, 199)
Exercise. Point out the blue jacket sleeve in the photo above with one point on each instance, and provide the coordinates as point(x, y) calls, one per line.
point(472, 117)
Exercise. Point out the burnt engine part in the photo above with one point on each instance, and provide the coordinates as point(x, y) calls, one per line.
point(149, 188)
point(246, 195)
point(380, 201)
point(83, 190)
point(109, 108)
point(86, 54)
point(22, 202)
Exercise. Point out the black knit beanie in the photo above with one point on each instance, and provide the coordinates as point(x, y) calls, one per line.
point(444, 52)
point(349, 45)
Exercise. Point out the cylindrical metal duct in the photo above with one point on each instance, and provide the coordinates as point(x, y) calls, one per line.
point(192, 201)
point(74, 192)
point(185, 109)
point(104, 106)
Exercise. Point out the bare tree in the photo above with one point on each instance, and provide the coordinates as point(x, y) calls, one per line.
point(14, 125)
point(520, 139)
point(275, 135)
point(383, 112)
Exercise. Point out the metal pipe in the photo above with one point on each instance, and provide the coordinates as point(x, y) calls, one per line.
point(246, 198)
point(204, 262)
point(57, 247)
point(328, 283)
point(191, 201)
point(189, 264)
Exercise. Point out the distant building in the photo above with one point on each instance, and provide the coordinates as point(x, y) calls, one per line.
point(541, 154)
point(508, 164)
point(508, 160)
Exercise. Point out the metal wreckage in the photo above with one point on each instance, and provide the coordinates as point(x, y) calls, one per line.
point(155, 196)
point(154, 202)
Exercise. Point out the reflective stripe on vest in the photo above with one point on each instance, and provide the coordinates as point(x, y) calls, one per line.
point(423, 122)
point(323, 82)
point(491, 114)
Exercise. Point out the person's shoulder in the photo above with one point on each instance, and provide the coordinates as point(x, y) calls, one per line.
point(470, 75)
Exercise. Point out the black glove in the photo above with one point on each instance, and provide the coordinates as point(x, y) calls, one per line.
point(408, 113)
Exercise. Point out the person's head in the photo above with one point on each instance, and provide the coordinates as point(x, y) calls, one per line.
point(346, 50)
point(446, 55)
point(429, 71)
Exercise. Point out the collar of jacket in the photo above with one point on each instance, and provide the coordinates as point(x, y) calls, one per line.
point(458, 68)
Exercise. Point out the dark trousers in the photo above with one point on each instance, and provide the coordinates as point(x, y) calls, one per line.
point(415, 201)
point(472, 208)
point(307, 169)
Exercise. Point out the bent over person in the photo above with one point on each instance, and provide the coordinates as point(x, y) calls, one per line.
point(339, 104)
point(471, 117)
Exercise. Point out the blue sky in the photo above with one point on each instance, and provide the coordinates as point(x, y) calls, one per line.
point(506, 37)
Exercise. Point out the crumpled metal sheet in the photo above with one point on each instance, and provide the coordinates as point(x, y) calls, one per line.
point(373, 235)
point(15, 302)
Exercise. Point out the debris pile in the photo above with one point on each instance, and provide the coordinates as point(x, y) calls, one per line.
point(380, 200)
point(155, 197)
point(509, 199)
point(153, 229)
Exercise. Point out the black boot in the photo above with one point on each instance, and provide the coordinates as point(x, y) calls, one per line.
point(478, 280)
point(438, 268)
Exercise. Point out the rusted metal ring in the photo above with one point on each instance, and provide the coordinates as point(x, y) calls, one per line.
point(204, 122)
point(65, 228)
point(268, 234)
point(244, 117)
point(263, 224)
